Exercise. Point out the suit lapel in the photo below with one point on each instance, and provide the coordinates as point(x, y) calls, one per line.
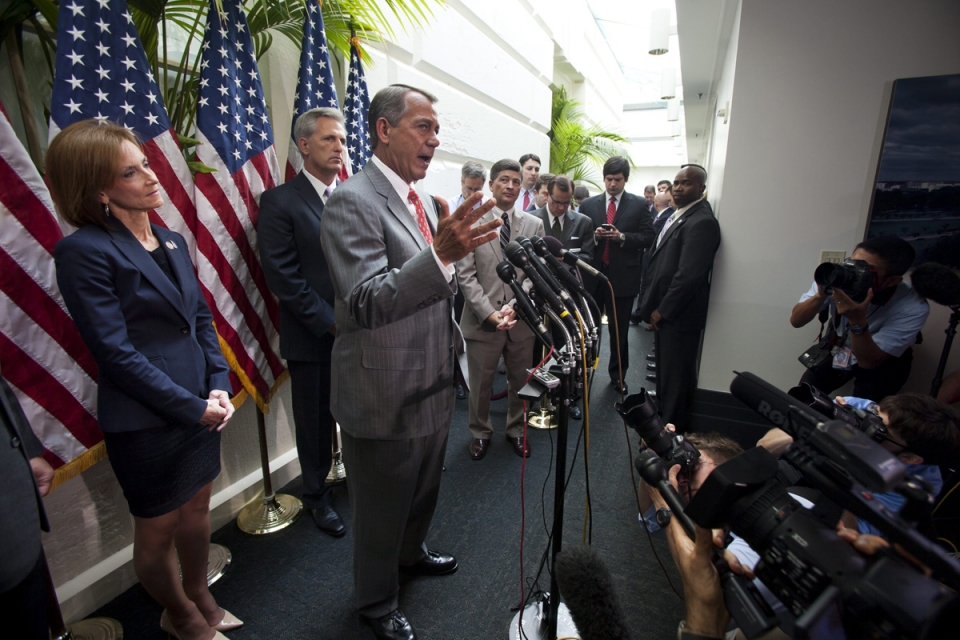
point(309, 194)
point(624, 203)
point(676, 226)
point(135, 253)
point(490, 216)
point(567, 230)
point(395, 205)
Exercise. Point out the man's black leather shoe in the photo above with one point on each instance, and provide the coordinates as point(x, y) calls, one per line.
point(575, 413)
point(461, 392)
point(652, 377)
point(432, 564)
point(328, 521)
point(393, 626)
point(651, 366)
point(651, 356)
point(616, 385)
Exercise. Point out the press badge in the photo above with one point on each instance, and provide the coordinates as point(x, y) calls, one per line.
point(843, 359)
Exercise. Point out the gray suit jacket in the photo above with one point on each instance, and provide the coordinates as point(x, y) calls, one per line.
point(19, 499)
point(483, 290)
point(576, 235)
point(393, 357)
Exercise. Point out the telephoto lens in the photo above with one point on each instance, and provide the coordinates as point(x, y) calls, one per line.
point(641, 413)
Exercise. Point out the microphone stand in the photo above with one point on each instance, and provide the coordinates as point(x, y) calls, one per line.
point(947, 344)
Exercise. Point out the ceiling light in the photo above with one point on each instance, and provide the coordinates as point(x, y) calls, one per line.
point(659, 31)
point(668, 84)
point(676, 129)
point(673, 110)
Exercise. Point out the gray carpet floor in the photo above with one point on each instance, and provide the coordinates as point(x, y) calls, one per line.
point(298, 583)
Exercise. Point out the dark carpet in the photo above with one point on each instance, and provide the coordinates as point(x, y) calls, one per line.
point(298, 583)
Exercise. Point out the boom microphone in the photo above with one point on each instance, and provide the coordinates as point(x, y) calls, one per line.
point(937, 282)
point(524, 307)
point(541, 249)
point(587, 587)
point(556, 248)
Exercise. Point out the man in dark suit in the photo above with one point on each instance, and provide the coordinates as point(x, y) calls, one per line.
point(573, 229)
point(296, 272)
point(391, 253)
point(623, 230)
point(662, 210)
point(24, 478)
point(677, 290)
point(530, 167)
point(540, 189)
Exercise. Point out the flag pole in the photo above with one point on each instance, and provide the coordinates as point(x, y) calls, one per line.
point(274, 511)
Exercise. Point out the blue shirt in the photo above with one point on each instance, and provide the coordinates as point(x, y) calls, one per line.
point(893, 326)
point(892, 500)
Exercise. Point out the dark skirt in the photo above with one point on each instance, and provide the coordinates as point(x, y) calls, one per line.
point(161, 469)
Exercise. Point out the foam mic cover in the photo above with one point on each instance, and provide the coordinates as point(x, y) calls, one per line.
point(937, 282)
point(587, 589)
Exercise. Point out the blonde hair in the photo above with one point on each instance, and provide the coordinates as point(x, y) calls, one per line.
point(82, 161)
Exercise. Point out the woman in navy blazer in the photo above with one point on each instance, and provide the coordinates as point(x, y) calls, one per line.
point(162, 399)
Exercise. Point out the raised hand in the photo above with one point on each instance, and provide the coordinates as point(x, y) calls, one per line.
point(456, 236)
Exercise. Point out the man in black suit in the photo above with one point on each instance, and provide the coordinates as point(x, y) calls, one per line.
point(530, 170)
point(24, 477)
point(623, 230)
point(649, 192)
point(676, 292)
point(573, 229)
point(296, 272)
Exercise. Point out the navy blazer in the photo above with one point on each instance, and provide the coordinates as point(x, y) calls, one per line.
point(634, 221)
point(155, 345)
point(288, 231)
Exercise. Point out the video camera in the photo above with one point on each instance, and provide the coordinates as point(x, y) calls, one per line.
point(829, 587)
point(869, 423)
point(854, 277)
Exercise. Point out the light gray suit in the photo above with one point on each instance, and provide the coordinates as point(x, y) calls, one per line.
point(484, 293)
point(392, 375)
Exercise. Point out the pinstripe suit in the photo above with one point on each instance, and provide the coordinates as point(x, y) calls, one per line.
point(392, 375)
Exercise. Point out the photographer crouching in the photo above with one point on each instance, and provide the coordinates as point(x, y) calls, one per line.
point(869, 320)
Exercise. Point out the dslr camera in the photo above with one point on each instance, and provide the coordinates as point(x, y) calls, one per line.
point(854, 277)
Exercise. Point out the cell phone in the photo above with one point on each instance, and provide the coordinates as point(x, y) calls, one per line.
point(607, 227)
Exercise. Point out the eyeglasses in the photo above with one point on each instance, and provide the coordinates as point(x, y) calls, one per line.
point(562, 205)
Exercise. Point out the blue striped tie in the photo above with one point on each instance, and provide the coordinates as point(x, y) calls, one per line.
point(505, 231)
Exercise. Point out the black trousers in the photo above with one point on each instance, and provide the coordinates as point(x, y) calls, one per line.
point(310, 387)
point(676, 358)
point(873, 384)
point(24, 608)
point(621, 306)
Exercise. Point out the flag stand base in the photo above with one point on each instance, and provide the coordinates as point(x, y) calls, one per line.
point(93, 629)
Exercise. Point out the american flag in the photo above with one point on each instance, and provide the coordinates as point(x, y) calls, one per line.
point(356, 106)
point(102, 72)
point(315, 86)
point(233, 126)
point(42, 355)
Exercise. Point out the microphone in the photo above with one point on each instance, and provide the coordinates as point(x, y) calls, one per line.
point(524, 307)
point(556, 248)
point(542, 250)
point(936, 282)
point(772, 403)
point(545, 273)
point(518, 256)
point(587, 588)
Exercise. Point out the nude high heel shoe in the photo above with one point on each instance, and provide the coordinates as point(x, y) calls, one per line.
point(229, 622)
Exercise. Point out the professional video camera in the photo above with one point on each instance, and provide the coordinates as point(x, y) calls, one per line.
point(866, 421)
point(853, 277)
point(640, 412)
point(823, 581)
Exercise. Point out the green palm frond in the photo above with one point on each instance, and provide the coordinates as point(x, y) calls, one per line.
point(577, 149)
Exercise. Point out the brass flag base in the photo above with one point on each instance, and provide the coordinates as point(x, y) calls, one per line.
point(543, 419)
point(338, 472)
point(218, 560)
point(272, 514)
point(93, 629)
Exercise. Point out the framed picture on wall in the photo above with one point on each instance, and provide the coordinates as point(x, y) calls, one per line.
point(917, 191)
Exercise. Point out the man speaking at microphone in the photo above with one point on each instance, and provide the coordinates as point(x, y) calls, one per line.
point(391, 251)
point(489, 322)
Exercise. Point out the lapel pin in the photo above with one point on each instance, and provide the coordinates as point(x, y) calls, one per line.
point(170, 245)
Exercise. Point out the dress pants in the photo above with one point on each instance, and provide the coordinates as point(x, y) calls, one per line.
point(310, 388)
point(873, 384)
point(393, 486)
point(676, 358)
point(622, 306)
point(24, 608)
point(482, 358)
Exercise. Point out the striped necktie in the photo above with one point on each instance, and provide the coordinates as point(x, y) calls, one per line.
point(505, 231)
point(611, 214)
point(422, 223)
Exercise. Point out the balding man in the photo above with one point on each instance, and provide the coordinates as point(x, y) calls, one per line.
point(676, 292)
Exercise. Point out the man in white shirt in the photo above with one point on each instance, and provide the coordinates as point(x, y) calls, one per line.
point(530, 170)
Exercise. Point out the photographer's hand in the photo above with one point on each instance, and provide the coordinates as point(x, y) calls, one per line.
point(855, 313)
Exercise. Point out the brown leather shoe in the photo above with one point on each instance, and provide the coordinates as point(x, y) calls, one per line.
point(518, 446)
point(479, 448)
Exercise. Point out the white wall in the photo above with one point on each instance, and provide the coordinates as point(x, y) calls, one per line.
point(813, 84)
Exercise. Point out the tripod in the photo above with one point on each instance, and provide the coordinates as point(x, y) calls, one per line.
point(947, 344)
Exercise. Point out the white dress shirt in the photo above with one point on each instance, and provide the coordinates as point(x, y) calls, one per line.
point(403, 190)
point(319, 185)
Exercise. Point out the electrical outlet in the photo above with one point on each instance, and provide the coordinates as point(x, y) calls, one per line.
point(836, 257)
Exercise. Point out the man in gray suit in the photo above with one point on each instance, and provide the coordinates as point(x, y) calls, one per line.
point(391, 251)
point(296, 272)
point(24, 478)
point(489, 322)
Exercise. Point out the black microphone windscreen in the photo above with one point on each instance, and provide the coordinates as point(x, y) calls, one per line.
point(506, 272)
point(515, 253)
point(554, 245)
point(587, 588)
point(937, 282)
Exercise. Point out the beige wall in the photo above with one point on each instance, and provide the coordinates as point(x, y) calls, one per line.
point(813, 86)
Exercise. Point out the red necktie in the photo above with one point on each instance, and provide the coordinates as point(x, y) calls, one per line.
point(611, 214)
point(526, 200)
point(414, 199)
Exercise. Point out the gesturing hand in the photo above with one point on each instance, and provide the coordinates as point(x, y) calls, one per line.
point(456, 236)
